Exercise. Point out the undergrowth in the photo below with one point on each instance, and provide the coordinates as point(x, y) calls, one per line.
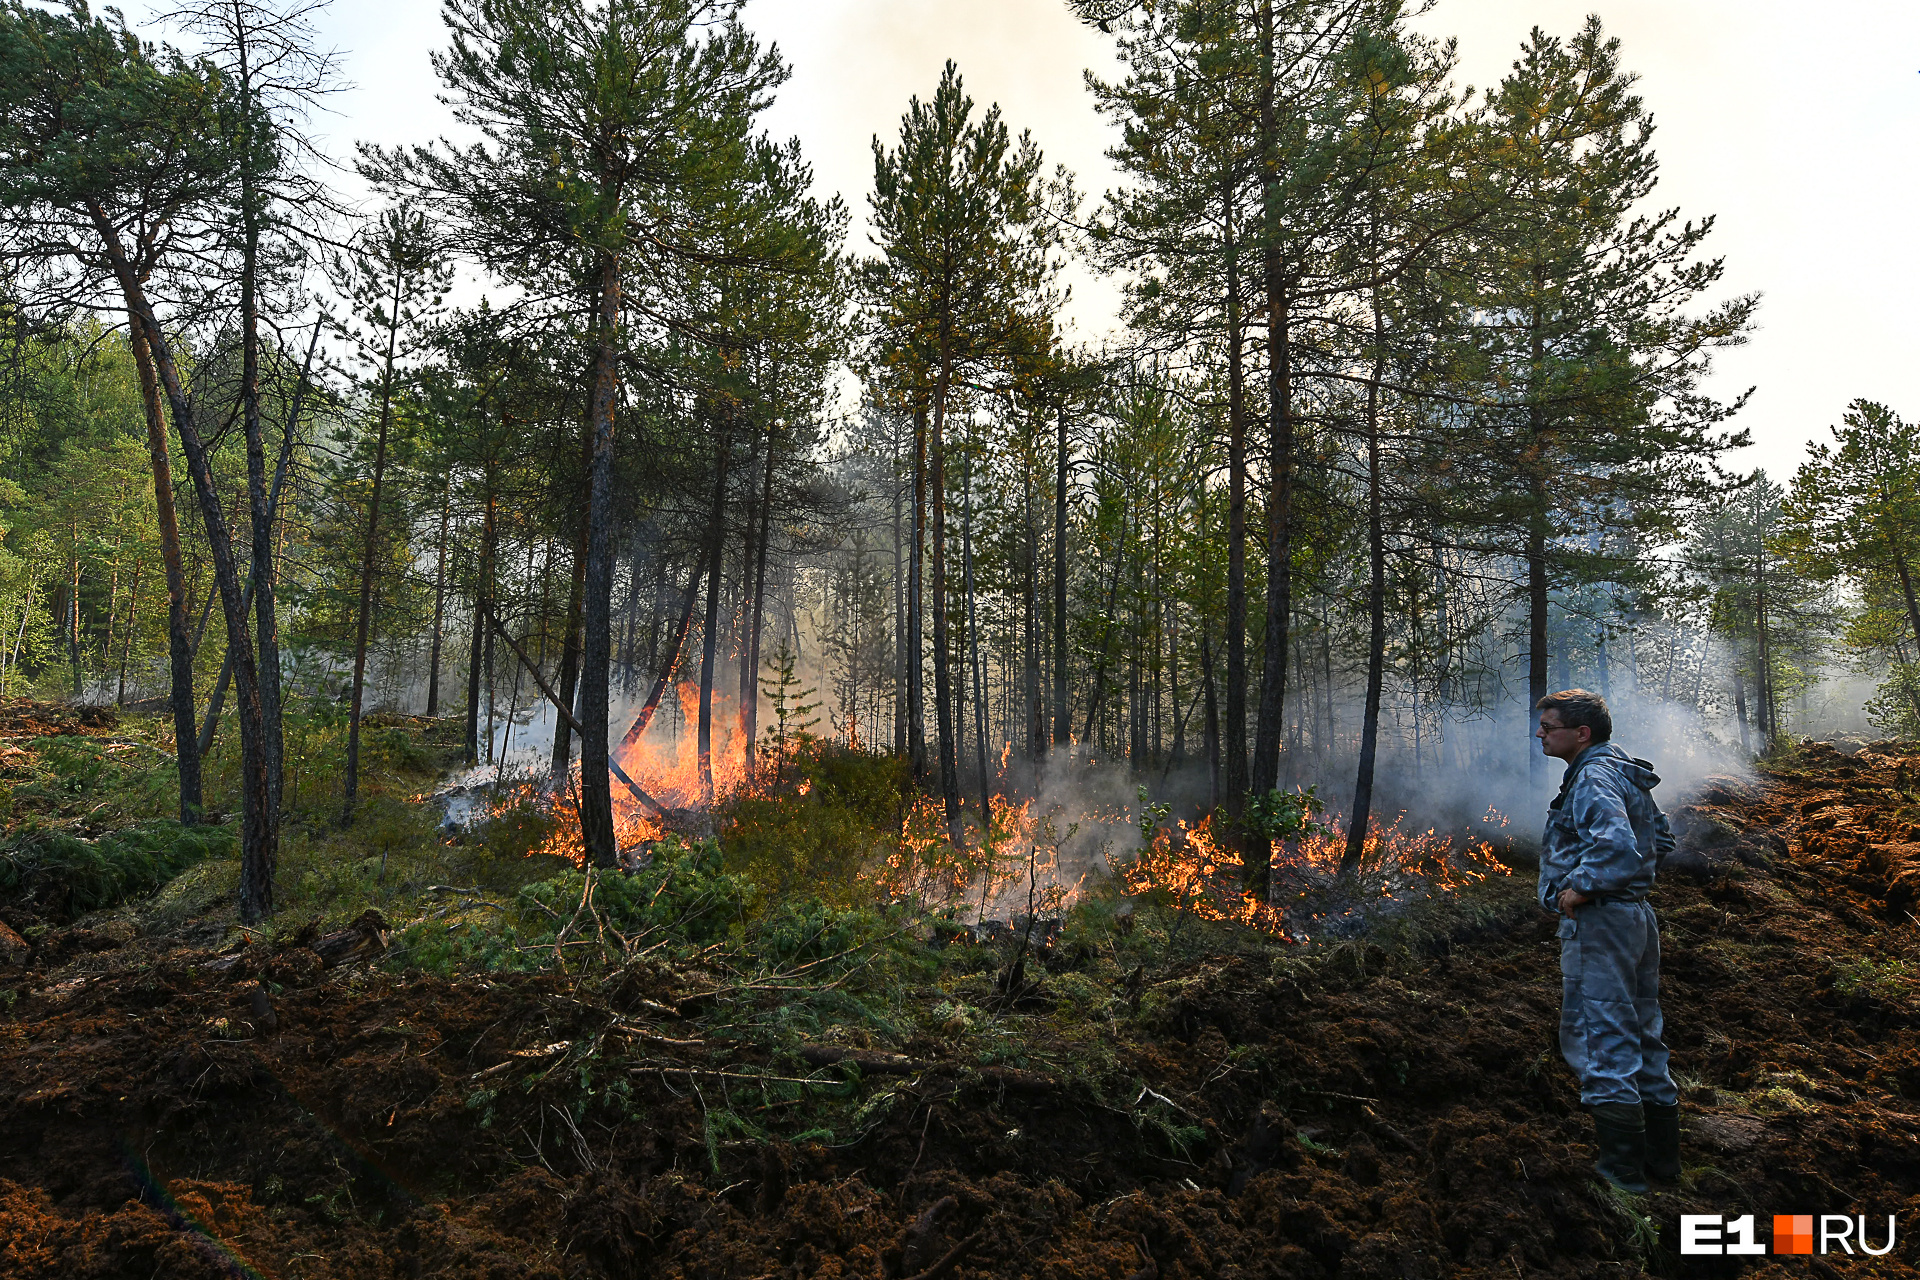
point(61, 876)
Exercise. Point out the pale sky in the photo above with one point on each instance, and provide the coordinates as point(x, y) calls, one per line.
point(1799, 132)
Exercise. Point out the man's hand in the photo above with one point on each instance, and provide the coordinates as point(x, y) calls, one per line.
point(1571, 898)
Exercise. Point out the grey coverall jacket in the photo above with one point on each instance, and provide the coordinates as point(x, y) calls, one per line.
point(1605, 838)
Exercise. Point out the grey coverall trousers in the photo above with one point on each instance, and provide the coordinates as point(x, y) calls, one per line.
point(1604, 838)
point(1610, 1024)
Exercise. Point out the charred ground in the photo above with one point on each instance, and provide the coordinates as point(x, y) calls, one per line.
point(303, 1106)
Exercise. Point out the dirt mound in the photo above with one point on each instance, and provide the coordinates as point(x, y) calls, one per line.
point(1333, 1111)
point(25, 718)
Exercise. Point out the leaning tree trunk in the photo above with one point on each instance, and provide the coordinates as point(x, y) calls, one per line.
point(259, 833)
point(210, 723)
point(667, 664)
point(179, 642)
point(1905, 574)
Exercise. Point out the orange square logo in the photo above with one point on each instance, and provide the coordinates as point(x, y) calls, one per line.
point(1793, 1233)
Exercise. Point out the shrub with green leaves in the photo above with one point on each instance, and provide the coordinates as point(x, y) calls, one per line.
point(685, 890)
point(684, 897)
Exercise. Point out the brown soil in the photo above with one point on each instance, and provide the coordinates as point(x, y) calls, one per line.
point(25, 718)
point(1361, 1115)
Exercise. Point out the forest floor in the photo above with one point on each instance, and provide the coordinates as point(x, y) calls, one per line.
point(171, 1105)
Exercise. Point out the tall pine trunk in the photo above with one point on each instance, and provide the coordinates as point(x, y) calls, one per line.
point(558, 765)
point(1278, 654)
point(1769, 704)
point(973, 652)
point(1536, 619)
point(1062, 726)
point(750, 688)
point(899, 613)
point(749, 543)
point(1537, 529)
point(899, 618)
point(916, 605)
point(1270, 722)
point(363, 617)
point(943, 691)
point(1233, 780)
point(1376, 621)
point(439, 600)
point(716, 551)
point(259, 505)
point(1034, 716)
point(480, 654)
point(596, 781)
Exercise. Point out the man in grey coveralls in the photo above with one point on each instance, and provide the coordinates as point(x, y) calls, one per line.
point(1605, 836)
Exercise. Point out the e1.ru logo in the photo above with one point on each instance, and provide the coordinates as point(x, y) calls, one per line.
point(1711, 1233)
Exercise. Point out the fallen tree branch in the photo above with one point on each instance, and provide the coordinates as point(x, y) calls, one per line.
point(869, 1062)
point(950, 1259)
point(629, 1029)
point(565, 712)
point(641, 721)
point(733, 1075)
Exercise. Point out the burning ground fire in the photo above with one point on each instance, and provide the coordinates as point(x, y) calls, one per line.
point(1191, 869)
point(1037, 861)
point(1037, 857)
point(667, 768)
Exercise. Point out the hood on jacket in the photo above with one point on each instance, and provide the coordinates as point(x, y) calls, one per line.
point(1639, 772)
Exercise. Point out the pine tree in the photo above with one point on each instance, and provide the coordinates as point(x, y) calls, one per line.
point(393, 278)
point(116, 160)
point(793, 716)
point(961, 283)
point(1854, 510)
point(612, 134)
point(1573, 324)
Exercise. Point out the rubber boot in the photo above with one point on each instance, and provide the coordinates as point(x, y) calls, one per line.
point(1663, 1141)
point(1621, 1128)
